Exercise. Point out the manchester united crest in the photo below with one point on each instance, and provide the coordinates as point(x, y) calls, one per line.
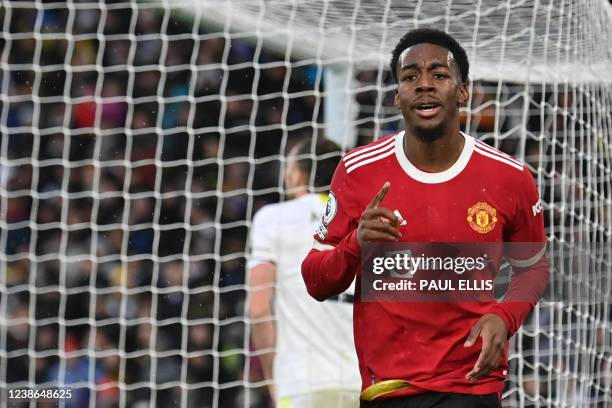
point(482, 217)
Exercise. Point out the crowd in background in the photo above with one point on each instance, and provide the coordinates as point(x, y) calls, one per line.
point(129, 182)
point(106, 221)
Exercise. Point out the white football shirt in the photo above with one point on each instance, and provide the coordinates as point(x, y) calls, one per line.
point(314, 342)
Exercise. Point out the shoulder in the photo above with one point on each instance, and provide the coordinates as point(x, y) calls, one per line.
point(368, 154)
point(496, 162)
point(273, 213)
point(266, 214)
point(513, 176)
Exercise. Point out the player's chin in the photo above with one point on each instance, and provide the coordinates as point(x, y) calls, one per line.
point(429, 130)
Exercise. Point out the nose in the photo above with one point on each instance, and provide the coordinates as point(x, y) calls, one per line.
point(424, 84)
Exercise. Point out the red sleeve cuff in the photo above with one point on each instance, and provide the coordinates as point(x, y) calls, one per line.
point(498, 310)
point(352, 244)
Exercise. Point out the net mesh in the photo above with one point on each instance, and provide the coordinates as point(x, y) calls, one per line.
point(139, 138)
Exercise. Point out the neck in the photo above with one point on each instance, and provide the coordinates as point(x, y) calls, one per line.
point(436, 155)
point(297, 192)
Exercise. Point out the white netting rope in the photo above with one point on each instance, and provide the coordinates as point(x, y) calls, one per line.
point(139, 138)
point(566, 36)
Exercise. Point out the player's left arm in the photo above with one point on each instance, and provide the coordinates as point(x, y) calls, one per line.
point(261, 281)
point(526, 252)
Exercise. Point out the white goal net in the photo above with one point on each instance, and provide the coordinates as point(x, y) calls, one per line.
point(138, 139)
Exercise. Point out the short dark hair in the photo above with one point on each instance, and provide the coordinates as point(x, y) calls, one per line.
point(327, 154)
point(431, 36)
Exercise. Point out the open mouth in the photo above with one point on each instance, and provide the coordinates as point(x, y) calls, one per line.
point(428, 110)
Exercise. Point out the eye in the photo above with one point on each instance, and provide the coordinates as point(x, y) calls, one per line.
point(439, 75)
point(409, 77)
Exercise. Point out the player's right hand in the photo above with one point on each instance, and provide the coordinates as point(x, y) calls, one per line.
point(378, 223)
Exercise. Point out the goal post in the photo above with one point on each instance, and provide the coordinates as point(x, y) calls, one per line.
point(139, 138)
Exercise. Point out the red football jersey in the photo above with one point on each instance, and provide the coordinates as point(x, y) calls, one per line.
point(423, 342)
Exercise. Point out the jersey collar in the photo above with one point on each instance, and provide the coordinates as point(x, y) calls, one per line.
point(433, 178)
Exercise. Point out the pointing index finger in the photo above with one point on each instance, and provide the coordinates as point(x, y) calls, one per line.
point(379, 196)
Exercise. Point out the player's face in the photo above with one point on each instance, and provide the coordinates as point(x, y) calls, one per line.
point(295, 180)
point(430, 90)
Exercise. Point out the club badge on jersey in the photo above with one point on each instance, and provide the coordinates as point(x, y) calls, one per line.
point(482, 217)
point(330, 212)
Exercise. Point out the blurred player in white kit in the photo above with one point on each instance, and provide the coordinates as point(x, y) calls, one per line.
point(311, 357)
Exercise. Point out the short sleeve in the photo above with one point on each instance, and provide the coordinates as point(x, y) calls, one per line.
point(340, 216)
point(263, 238)
point(527, 224)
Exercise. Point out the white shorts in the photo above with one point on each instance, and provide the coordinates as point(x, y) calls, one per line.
point(331, 399)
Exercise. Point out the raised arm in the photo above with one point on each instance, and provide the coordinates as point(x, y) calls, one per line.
point(330, 267)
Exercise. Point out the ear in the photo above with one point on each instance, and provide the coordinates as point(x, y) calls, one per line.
point(464, 94)
point(396, 99)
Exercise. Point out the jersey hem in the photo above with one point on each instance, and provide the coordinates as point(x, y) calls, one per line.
point(479, 389)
